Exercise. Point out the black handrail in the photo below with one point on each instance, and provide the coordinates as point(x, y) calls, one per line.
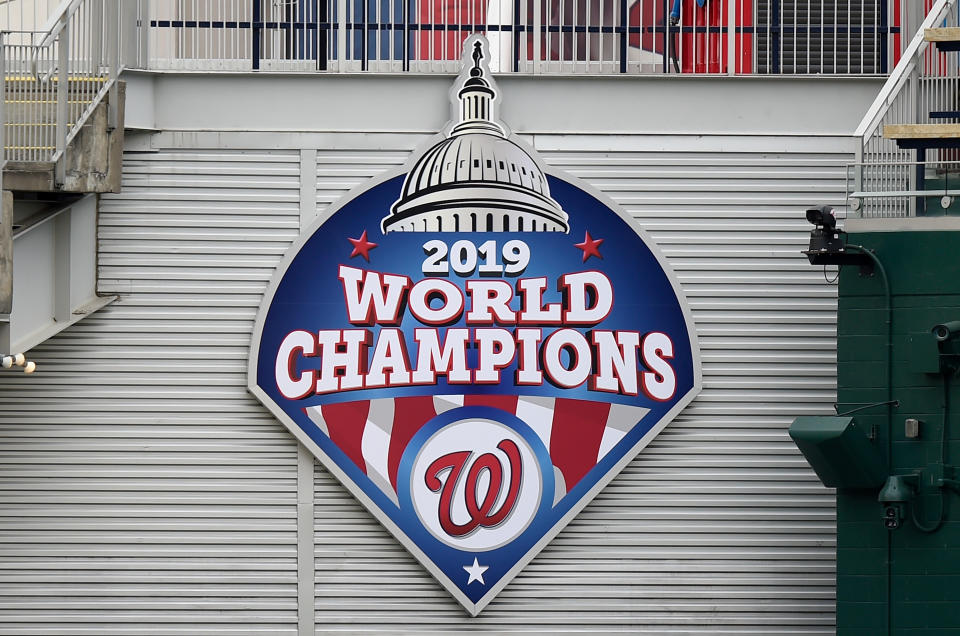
point(257, 31)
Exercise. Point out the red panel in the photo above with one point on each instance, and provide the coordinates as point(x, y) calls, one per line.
point(575, 439)
point(409, 415)
point(697, 52)
point(646, 14)
point(506, 403)
point(438, 44)
point(345, 423)
point(897, 37)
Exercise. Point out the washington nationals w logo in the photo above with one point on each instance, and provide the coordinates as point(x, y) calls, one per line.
point(481, 513)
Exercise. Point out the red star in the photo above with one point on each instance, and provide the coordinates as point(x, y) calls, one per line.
point(590, 247)
point(361, 246)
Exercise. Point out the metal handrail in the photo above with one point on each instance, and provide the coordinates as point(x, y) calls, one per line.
point(58, 16)
point(59, 19)
point(921, 88)
point(76, 59)
point(549, 37)
point(911, 57)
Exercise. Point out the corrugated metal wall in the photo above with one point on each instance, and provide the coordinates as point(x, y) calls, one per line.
point(144, 490)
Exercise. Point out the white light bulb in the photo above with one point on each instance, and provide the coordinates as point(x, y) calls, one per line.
point(30, 368)
point(20, 359)
point(7, 362)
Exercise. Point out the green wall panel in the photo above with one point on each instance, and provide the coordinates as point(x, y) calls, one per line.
point(905, 581)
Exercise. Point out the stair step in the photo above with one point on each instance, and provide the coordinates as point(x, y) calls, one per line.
point(945, 38)
point(96, 79)
point(35, 123)
point(922, 131)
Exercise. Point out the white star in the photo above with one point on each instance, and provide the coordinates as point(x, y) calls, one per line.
point(476, 572)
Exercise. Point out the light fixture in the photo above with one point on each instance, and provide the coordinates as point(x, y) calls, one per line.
point(20, 360)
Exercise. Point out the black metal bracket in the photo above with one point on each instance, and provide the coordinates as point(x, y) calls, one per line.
point(843, 257)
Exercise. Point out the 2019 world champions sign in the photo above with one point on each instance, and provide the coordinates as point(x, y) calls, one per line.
point(474, 346)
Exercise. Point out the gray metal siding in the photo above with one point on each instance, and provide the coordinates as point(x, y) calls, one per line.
point(143, 489)
point(137, 467)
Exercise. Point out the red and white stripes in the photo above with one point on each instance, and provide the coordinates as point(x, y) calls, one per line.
point(375, 433)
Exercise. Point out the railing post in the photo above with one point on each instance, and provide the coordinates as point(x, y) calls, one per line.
point(342, 9)
point(516, 36)
point(257, 28)
point(406, 8)
point(883, 38)
point(732, 37)
point(624, 35)
point(3, 111)
point(537, 34)
point(363, 34)
point(858, 173)
point(775, 35)
point(63, 80)
point(905, 33)
point(667, 41)
point(916, 203)
point(143, 28)
point(115, 37)
point(93, 29)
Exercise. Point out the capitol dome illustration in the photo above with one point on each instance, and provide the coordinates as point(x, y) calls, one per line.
point(476, 180)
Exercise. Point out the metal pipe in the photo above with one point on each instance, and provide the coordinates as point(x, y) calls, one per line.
point(889, 384)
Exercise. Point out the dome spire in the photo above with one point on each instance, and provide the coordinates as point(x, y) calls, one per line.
point(476, 178)
point(477, 100)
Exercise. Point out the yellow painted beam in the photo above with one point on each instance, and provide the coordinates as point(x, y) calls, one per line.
point(74, 78)
point(942, 34)
point(922, 131)
point(46, 101)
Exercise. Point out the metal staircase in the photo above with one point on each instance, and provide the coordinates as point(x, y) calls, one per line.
point(58, 84)
point(62, 139)
point(908, 157)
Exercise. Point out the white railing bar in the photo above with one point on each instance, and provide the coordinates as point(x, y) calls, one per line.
point(902, 73)
point(57, 15)
point(731, 37)
point(3, 112)
point(904, 193)
point(81, 49)
point(63, 89)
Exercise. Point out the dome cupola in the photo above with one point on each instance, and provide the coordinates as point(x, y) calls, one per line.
point(476, 179)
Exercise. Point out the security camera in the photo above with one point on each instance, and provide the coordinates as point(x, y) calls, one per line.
point(826, 241)
point(947, 331)
point(822, 216)
point(897, 492)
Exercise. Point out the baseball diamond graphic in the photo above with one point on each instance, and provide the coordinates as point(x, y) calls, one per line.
point(477, 371)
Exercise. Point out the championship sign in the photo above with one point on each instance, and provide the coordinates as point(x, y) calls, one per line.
point(474, 346)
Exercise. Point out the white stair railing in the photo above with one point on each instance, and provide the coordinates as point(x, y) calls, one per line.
point(921, 89)
point(55, 78)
